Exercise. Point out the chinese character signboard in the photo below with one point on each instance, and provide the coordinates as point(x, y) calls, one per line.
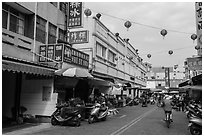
point(58, 52)
point(67, 54)
point(198, 9)
point(64, 53)
point(43, 52)
point(167, 77)
point(195, 63)
point(77, 37)
point(75, 14)
point(50, 52)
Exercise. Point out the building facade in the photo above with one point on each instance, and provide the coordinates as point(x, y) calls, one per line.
point(26, 26)
point(156, 78)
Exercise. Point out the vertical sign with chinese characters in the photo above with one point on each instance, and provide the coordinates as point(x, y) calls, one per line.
point(198, 10)
point(43, 51)
point(167, 77)
point(50, 52)
point(77, 37)
point(67, 54)
point(58, 52)
point(75, 14)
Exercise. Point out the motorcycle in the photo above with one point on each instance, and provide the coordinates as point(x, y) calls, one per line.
point(71, 117)
point(195, 126)
point(98, 113)
point(144, 103)
point(193, 110)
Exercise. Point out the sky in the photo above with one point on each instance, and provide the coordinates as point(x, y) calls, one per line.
point(176, 16)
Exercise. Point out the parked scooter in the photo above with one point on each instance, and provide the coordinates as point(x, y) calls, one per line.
point(71, 117)
point(98, 113)
point(195, 126)
point(193, 110)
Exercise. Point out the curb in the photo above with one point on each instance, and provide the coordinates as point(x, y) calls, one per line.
point(29, 130)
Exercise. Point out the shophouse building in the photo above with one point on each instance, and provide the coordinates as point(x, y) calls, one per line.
point(28, 81)
point(112, 57)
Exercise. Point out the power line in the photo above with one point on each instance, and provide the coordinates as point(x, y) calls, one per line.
point(141, 24)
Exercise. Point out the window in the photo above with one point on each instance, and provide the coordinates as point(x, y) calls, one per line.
point(63, 6)
point(111, 56)
point(100, 50)
point(52, 34)
point(40, 30)
point(16, 22)
point(61, 35)
point(4, 19)
point(159, 85)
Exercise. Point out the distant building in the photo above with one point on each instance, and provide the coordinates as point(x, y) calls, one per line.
point(156, 78)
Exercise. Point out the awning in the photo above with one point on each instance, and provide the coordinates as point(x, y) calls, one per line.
point(100, 82)
point(26, 68)
point(196, 87)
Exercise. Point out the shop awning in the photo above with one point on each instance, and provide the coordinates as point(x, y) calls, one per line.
point(196, 87)
point(26, 68)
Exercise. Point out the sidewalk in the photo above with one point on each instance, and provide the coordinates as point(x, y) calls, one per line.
point(25, 128)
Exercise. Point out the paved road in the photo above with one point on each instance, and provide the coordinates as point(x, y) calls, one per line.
point(134, 120)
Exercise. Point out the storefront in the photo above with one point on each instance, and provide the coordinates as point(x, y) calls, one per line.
point(26, 84)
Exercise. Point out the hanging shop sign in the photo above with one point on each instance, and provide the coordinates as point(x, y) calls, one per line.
point(75, 14)
point(63, 53)
point(43, 52)
point(79, 37)
point(198, 10)
point(194, 63)
point(167, 77)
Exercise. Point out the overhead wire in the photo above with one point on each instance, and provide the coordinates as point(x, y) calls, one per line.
point(141, 24)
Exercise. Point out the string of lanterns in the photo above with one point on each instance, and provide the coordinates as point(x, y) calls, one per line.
point(128, 24)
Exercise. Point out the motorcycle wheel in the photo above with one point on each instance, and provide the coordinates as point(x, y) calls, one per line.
point(104, 119)
point(195, 131)
point(90, 120)
point(54, 121)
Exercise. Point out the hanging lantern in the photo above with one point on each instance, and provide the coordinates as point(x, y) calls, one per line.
point(193, 37)
point(163, 33)
point(170, 52)
point(128, 24)
point(87, 12)
point(197, 47)
point(149, 55)
point(98, 15)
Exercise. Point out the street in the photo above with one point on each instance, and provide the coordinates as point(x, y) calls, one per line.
point(131, 120)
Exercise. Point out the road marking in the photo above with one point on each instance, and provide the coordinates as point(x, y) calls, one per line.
point(134, 121)
point(123, 116)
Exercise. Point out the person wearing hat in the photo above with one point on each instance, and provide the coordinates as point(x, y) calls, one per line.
point(167, 106)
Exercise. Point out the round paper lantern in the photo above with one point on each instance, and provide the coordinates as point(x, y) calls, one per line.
point(197, 47)
point(163, 32)
point(193, 37)
point(170, 52)
point(98, 15)
point(87, 12)
point(128, 24)
point(149, 55)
